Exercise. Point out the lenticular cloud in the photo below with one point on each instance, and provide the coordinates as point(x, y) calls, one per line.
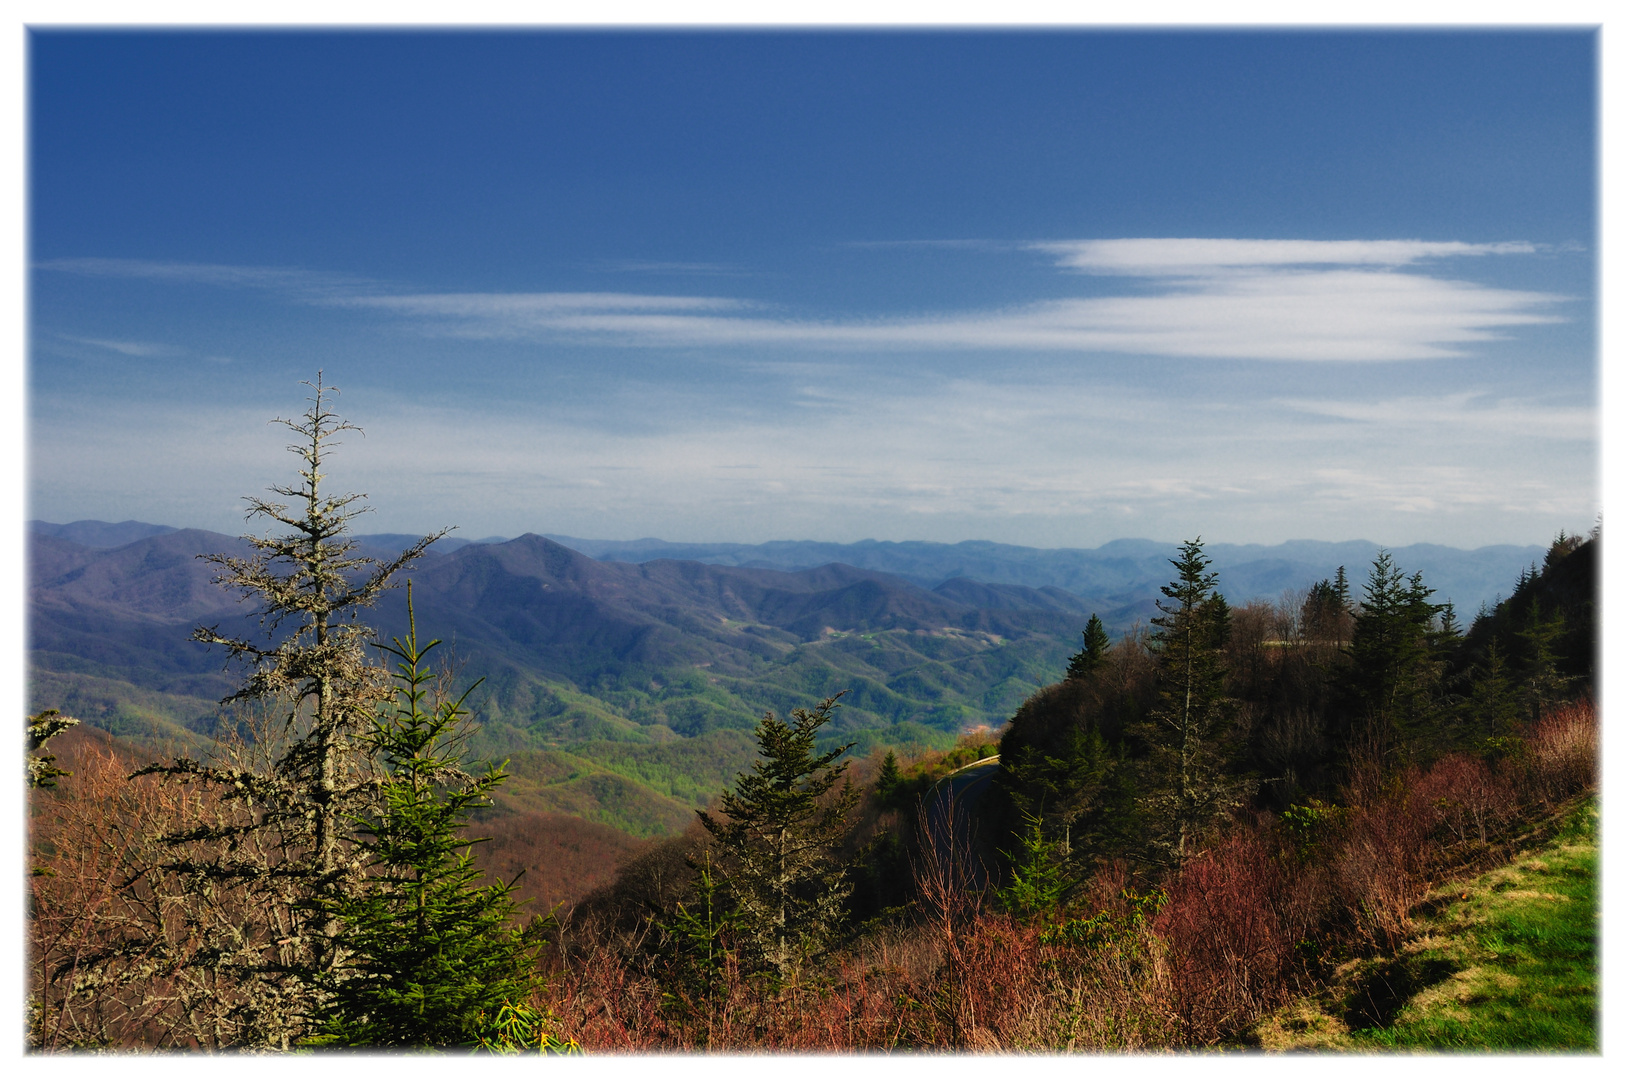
point(1280, 300)
point(1194, 256)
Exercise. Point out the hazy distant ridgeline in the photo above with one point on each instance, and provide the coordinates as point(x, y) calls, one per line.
point(1118, 571)
point(1468, 578)
point(623, 690)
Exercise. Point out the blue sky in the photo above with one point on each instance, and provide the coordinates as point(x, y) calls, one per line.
point(1044, 288)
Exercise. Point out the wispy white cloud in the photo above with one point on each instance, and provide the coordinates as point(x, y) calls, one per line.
point(611, 318)
point(1469, 410)
point(1252, 299)
point(1035, 456)
point(1331, 315)
point(127, 348)
point(304, 284)
point(534, 306)
point(1287, 300)
point(1172, 256)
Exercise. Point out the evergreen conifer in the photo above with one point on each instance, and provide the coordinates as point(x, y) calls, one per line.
point(432, 957)
point(1395, 661)
point(257, 885)
point(889, 779)
point(778, 837)
point(1190, 731)
point(1093, 655)
point(1492, 704)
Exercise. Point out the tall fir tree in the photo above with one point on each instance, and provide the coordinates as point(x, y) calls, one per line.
point(1090, 659)
point(433, 957)
point(1391, 682)
point(1063, 789)
point(698, 948)
point(1542, 682)
point(1324, 618)
point(889, 780)
point(1492, 702)
point(781, 825)
point(1190, 734)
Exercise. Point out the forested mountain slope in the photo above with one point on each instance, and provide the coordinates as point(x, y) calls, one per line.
point(623, 690)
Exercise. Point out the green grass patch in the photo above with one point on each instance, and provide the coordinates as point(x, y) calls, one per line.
point(1525, 955)
point(1508, 962)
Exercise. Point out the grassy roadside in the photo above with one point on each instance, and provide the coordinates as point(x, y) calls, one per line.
point(1504, 961)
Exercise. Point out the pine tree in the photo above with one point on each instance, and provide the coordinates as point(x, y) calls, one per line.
point(1191, 729)
point(1064, 793)
point(432, 957)
point(1088, 660)
point(1394, 665)
point(889, 779)
point(1448, 634)
point(698, 949)
point(1542, 682)
point(778, 840)
point(1324, 618)
point(1492, 704)
point(1039, 874)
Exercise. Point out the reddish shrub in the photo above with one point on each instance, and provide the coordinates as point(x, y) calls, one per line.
point(1380, 867)
point(1230, 950)
point(966, 979)
point(1470, 801)
point(1562, 751)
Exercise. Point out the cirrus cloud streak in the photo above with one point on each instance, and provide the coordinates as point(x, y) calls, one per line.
point(1164, 256)
point(1337, 315)
point(1277, 300)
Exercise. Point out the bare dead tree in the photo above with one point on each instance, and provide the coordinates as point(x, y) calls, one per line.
point(947, 879)
point(235, 921)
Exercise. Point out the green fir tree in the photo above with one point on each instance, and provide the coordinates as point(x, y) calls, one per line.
point(1493, 704)
point(1191, 730)
point(1542, 682)
point(889, 780)
point(1088, 660)
point(781, 825)
point(1392, 680)
point(698, 948)
point(432, 957)
point(1039, 874)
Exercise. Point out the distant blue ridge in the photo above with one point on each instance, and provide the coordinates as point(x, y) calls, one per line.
point(1124, 568)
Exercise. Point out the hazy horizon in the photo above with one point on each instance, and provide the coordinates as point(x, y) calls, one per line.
point(458, 534)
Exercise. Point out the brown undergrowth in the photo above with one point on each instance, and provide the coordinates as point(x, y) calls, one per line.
point(1266, 913)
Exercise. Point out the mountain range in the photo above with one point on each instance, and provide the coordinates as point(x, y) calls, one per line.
point(1469, 578)
point(621, 682)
